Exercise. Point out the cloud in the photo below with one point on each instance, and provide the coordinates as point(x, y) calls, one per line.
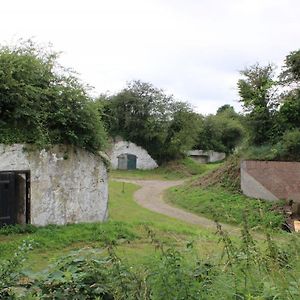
point(193, 49)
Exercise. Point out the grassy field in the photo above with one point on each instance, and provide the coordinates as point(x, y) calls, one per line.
point(140, 254)
point(127, 226)
point(174, 170)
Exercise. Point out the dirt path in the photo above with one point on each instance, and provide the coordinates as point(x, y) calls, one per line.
point(150, 196)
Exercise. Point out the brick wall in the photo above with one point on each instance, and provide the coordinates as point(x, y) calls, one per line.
point(281, 179)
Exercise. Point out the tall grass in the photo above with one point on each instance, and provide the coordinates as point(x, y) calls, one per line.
point(245, 270)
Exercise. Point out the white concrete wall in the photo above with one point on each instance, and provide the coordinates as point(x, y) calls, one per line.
point(212, 156)
point(144, 160)
point(68, 185)
point(215, 156)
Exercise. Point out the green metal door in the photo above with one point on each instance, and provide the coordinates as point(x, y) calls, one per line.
point(131, 162)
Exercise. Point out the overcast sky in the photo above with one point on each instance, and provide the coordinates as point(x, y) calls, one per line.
point(193, 49)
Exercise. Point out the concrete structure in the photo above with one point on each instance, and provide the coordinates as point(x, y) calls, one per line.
point(204, 157)
point(126, 155)
point(58, 186)
point(271, 180)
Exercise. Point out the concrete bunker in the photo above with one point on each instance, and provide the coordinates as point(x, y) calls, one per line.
point(61, 185)
point(125, 155)
point(204, 157)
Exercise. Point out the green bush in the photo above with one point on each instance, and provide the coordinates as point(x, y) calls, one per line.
point(43, 103)
point(290, 145)
point(21, 229)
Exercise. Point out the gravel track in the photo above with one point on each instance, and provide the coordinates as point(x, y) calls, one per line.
point(150, 196)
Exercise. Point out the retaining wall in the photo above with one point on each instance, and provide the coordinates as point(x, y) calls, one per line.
point(271, 180)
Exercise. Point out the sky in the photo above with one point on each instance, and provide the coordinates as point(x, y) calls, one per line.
point(193, 49)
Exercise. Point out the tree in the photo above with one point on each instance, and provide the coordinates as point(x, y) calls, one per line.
point(291, 68)
point(290, 103)
point(43, 103)
point(228, 109)
point(289, 113)
point(256, 91)
point(182, 132)
point(148, 117)
point(221, 132)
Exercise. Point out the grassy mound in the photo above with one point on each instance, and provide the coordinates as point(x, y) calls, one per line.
point(226, 175)
point(219, 204)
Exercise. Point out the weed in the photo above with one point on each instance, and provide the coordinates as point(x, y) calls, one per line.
point(226, 206)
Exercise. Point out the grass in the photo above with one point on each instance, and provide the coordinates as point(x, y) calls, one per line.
point(126, 226)
point(169, 230)
point(51, 241)
point(191, 266)
point(171, 171)
point(225, 206)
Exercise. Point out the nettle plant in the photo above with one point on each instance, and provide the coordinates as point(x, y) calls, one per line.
point(246, 270)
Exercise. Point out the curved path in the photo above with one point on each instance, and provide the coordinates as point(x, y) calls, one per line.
point(150, 196)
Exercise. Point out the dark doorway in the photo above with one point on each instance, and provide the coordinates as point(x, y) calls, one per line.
point(14, 197)
point(127, 161)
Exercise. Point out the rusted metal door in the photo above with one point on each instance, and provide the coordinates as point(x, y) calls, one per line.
point(8, 199)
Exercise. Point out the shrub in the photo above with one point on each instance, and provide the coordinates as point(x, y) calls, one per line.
point(290, 145)
point(43, 103)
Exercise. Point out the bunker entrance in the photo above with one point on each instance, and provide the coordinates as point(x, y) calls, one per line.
point(127, 161)
point(14, 197)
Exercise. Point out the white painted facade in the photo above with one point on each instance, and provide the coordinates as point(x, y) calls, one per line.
point(144, 160)
point(67, 184)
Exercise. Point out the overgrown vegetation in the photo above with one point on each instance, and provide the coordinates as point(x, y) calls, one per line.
point(219, 204)
point(145, 115)
point(272, 119)
point(144, 255)
point(244, 271)
point(53, 237)
point(221, 132)
point(166, 127)
point(226, 175)
point(43, 103)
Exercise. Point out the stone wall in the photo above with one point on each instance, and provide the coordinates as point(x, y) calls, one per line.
point(68, 185)
point(144, 160)
point(271, 180)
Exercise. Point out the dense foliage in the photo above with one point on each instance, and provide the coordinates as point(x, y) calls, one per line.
point(221, 132)
point(148, 117)
point(272, 107)
point(43, 103)
point(167, 128)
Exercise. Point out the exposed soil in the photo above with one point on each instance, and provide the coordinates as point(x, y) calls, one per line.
point(150, 196)
point(228, 175)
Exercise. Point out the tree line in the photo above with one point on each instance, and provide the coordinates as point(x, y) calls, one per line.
point(43, 103)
